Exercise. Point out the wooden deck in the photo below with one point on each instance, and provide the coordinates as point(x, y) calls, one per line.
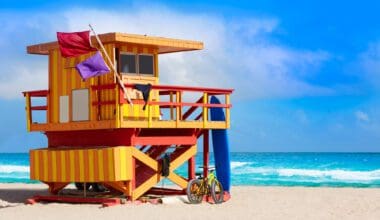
point(171, 110)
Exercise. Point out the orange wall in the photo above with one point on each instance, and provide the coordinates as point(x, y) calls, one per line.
point(63, 78)
point(81, 165)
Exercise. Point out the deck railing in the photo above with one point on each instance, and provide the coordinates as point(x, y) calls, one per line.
point(29, 108)
point(180, 109)
point(175, 104)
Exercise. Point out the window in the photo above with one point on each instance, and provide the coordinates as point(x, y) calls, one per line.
point(127, 63)
point(146, 64)
point(136, 63)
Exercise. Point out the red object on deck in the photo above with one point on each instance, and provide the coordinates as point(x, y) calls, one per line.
point(106, 202)
point(166, 191)
point(226, 197)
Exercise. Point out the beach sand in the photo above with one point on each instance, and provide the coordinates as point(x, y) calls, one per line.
point(247, 202)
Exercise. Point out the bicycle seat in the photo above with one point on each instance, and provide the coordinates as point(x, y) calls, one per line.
point(198, 173)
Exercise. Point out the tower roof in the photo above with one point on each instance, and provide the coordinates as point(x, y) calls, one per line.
point(163, 44)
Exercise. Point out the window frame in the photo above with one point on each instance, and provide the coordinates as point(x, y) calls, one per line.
point(136, 63)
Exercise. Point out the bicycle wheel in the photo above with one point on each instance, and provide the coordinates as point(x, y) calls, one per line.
point(194, 192)
point(217, 192)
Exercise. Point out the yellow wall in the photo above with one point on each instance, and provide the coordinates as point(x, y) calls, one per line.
point(136, 112)
point(81, 165)
point(63, 78)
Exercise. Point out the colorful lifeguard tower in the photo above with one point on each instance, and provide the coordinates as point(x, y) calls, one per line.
point(96, 136)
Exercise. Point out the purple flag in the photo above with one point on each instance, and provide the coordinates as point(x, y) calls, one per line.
point(93, 66)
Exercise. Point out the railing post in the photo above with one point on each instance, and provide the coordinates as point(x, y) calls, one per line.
point(191, 168)
point(206, 151)
point(28, 113)
point(205, 109)
point(171, 107)
point(117, 107)
point(178, 107)
point(47, 108)
point(227, 111)
point(149, 113)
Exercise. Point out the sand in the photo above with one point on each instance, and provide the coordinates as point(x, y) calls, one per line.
point(247, 202)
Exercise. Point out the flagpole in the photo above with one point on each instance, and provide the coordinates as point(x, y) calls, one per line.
point(113, 67)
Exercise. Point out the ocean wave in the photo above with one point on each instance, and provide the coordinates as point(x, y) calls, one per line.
point(339, 175)
point(236, 164)
point(333, 174)
point(13, 169)
point(2, 177)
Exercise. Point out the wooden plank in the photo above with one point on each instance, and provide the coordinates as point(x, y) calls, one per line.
point(73, 165)
point(205, 110)
point(183, 158)
point(227, 111)
point(164, 140)
point(163, 45)
point(175, 178)
point(28, 112)
point(145, 159)
point(144, 187)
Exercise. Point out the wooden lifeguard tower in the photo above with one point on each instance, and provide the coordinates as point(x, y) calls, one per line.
point(96, 136)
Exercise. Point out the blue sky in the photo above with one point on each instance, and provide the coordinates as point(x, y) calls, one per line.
point(306, 73)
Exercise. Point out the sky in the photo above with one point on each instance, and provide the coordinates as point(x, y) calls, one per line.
point(306, 74)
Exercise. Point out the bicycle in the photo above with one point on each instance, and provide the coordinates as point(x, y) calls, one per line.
point(201, 186)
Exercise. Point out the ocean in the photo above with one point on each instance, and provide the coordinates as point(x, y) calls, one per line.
point(261, 169)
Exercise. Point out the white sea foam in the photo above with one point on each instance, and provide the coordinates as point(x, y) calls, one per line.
point(14, 176)
point(235, 164)
point(333, 174)
point(338, 175)
point(13, 169)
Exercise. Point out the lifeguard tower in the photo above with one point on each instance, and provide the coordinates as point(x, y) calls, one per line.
point(96, 136)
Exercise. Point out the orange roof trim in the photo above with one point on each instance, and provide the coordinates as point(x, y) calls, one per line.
point(164, 45)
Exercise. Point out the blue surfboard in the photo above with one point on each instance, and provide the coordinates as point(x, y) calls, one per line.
point(220, 147)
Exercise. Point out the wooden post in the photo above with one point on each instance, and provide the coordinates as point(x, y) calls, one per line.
point(117, 108)
point(205, 109)
point(206, 153)
point(28, 113)
point(84, 189)
point(150, 110)
point(132, 182)
point(178, 112)
point(171, 107)
point(113, 67)
point(191, 168)
point(227, 111)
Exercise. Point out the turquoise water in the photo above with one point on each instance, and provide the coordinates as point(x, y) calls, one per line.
point(264, 169)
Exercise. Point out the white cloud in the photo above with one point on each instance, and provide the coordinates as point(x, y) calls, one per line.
point(237, 54)
point(370, 64)
point(361, 116)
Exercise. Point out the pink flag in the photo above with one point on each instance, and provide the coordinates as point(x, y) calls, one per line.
point(74, 43)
